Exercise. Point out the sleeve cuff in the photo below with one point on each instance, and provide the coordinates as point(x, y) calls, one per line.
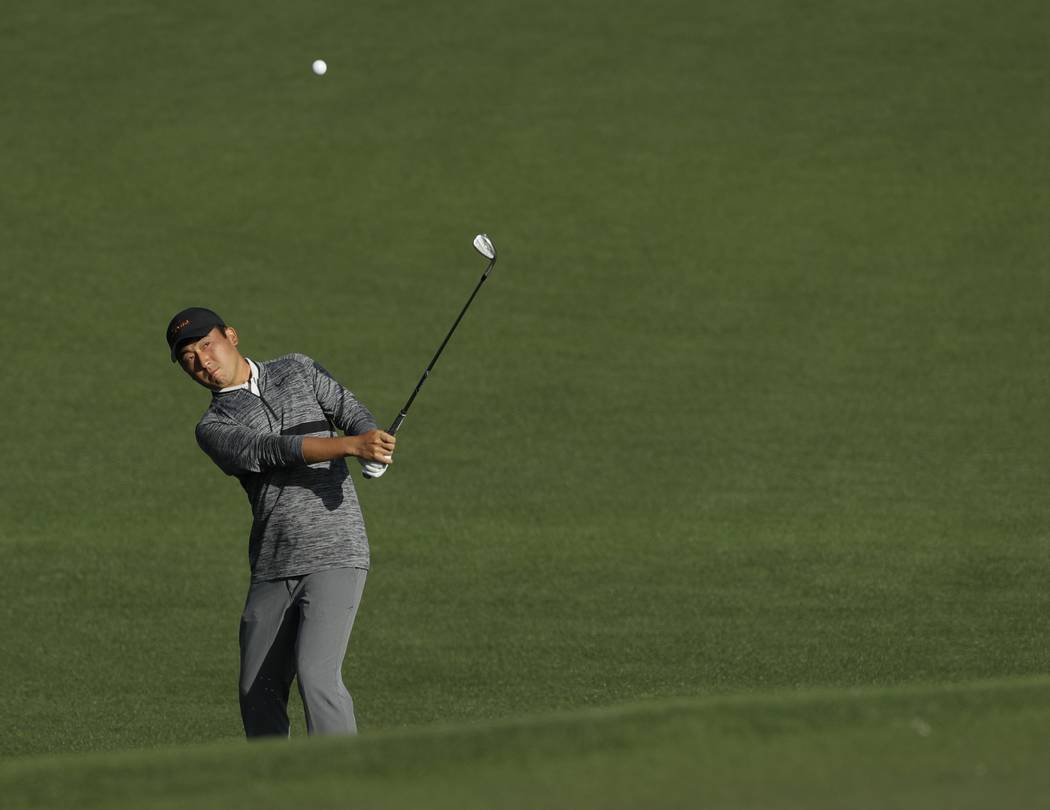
point(295, 449)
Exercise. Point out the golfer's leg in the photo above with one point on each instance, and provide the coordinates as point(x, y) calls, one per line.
point(267, 636)
point(328, 605)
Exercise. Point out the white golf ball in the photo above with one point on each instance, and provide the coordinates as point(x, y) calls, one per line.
point(320, 67)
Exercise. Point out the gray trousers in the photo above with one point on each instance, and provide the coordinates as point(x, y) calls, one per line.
point(292, 628)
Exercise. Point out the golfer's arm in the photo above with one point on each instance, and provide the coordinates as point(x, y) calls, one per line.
point(317, 449)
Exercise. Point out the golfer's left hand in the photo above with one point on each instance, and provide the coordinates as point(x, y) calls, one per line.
point(372, 469)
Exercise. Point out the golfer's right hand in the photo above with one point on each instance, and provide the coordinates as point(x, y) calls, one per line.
point(375, 445)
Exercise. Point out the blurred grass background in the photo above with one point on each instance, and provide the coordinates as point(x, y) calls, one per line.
point(754, 398)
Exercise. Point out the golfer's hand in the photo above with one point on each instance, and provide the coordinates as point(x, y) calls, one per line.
point(373, 469)
point(376, 445)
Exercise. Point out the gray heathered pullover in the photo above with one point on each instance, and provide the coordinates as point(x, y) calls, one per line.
point(306, 517)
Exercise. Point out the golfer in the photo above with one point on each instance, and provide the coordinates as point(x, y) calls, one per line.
point(272, 424)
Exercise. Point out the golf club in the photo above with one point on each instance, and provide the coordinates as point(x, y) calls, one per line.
point(484, 246)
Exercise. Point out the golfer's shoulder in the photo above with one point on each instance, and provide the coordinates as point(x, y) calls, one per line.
point(296, 365)
point(224, 410)
point(211, 422)
point(294, 362)
point(220, 411)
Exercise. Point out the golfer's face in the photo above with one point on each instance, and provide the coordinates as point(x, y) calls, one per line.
point(214, 360)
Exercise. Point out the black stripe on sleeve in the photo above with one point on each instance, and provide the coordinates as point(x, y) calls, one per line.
point(306, 428)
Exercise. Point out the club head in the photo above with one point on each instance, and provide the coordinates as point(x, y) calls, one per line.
point(484, 246)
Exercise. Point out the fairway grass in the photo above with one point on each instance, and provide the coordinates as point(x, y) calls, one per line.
point(753, 404)
point(967, 745)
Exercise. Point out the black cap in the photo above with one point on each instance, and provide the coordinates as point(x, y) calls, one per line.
point(189, 325)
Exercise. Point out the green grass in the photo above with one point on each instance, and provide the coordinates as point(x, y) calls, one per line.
point(753, 400)
point(970, 746)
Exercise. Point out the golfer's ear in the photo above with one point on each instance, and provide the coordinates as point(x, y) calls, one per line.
point(231, 335)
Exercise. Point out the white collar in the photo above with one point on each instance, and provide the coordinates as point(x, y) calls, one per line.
point(253, 381)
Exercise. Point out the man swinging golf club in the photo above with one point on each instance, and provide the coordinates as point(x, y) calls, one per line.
point(273, 425)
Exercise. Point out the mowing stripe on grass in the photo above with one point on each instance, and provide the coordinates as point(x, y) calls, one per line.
point(962, 745)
